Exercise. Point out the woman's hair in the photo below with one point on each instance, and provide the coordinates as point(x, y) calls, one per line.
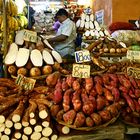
point(62, 12)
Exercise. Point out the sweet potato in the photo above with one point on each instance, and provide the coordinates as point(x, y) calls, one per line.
point(93, 92)
point(54, 110)
point(51, 79)
point(96, 118)
point(76, 100)
point(108, 95)
point(76, 85)
point(106, 79)
point(66, 99)
point(137, 106)
point(87, 104)
point(131, 94)
point(100, 102)
point(138, 82)
point(105, 115)
point(137, 93)
point(113, 110)
point(93, 100)
point(123, 89)
point(70, 80)
point(109, 87)
point(129, 101)
point(133, 82)
point(99, 88)
point(58, 84)
point(124, 81)
point(89, 122)
point(116, 94)
point(113, 83)
point(113, 77)
point(60, 114)
point(88, 84)
point(64, 85)
point(80, 119)
point(57, 96)
point(69, 116)
point(98, 79)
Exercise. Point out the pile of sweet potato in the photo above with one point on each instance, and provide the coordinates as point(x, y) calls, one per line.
point(88, 102)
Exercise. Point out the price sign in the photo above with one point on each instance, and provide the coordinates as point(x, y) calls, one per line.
point(30, 36)
point(134, 72)
point(24, 82)
point(82, 56)
point(81, 71)
point(133, 54)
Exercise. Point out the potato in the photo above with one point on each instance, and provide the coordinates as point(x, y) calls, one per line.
point(56, 66)
point(112, 50)
point(12, 69)
point(35, 71)
point(118, 50)
point(22, 71)
point(47, 70)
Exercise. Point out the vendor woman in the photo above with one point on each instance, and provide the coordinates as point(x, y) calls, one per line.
point(64, 41)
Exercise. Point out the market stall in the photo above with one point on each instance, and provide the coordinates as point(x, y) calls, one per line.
point(95, 95)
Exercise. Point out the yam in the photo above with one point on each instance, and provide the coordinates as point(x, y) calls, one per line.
point(19, 39)
point(47, 57)
point(36, 58)
point(11, 55)
point(22, 57)
point(57, 56)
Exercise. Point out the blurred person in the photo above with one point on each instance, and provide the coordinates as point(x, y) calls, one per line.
point(64, 41)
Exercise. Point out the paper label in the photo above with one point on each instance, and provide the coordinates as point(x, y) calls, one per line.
point(133, 54)
point(24, 82)
point(81, 71)
point(30, 36)
point(82, 56)
point(134, 72)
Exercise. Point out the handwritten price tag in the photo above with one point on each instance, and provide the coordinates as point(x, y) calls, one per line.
point(133, 54)
point(82, 56)
point(134, 72)
point(81, 71)
point(25, 83)
point(30, 36)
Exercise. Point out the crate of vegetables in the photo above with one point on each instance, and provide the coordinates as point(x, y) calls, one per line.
point(86, 104)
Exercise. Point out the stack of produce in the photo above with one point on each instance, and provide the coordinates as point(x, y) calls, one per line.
point(131, 93)
point(24, 114)
point(14, 22)
point(90, 27)
point(43, 20)
point(107, 45)
point(86, 102)
point(32, 61)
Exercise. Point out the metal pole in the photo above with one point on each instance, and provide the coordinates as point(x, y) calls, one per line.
point(5, 45)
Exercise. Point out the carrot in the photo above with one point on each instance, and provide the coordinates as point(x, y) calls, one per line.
point(69, 116)
point(80, 119)
point(88, 84)
point(66, 99)
point(76, 100)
